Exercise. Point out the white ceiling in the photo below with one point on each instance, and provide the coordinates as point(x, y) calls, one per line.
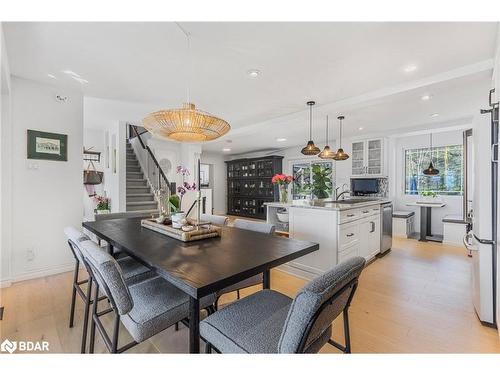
point(336, 64)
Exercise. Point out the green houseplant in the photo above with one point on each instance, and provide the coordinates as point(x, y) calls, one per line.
point(322, 182)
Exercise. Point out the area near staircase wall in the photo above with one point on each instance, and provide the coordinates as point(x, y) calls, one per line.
point(219, 187)
point(46, 195)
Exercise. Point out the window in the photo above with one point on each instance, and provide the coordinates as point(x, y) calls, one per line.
point(447, 159)
point(314, 178)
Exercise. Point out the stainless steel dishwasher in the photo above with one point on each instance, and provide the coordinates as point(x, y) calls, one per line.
point(386, 227)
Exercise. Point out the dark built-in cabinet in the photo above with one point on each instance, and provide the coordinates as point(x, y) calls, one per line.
point(249, 185)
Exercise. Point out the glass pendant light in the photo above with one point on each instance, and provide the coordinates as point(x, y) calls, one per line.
point(310, 148)
point(327, 153)
point(340, 154)
point(430, 170)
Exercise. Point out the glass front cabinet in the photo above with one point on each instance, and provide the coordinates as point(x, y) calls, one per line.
point(249, 185)
point(368, 157)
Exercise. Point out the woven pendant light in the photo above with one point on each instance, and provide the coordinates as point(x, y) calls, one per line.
point(186, 124)
point(340, 154)
point(327, 153)
point(430, 170)
point(310, 148)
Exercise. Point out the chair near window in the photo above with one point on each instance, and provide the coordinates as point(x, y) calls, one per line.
point(133, 272)
point(256, 226)
point(270, 322)
point(145, 308)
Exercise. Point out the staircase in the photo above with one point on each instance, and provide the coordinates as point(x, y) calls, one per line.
point(139, 195)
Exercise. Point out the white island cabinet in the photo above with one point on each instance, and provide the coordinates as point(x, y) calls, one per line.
point(342, 231)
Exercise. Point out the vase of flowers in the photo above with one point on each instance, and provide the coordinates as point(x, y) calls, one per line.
point(102, 204)
point(282, 180)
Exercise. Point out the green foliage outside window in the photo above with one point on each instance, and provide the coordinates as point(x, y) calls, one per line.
point(447, 159)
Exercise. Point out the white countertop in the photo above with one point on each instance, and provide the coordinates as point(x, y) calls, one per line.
point(427, 204)
point(330, 206)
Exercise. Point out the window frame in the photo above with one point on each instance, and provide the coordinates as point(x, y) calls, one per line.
point(311, 161)
point(406, 149)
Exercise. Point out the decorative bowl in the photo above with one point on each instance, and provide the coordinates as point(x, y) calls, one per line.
point(282, 216)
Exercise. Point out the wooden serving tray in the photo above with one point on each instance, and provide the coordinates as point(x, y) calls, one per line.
point(179, 234)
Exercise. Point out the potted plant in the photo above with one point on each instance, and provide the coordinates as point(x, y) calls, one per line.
point(175, 201)
point(102, 204)
point(282, 180)
point(322, 182)
point(428, 196)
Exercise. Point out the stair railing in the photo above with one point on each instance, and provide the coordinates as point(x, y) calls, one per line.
point(155, 174)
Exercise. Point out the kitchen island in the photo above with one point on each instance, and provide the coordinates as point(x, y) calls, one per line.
point(343, 230)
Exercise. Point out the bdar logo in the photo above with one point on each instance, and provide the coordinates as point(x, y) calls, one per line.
point(8, 346)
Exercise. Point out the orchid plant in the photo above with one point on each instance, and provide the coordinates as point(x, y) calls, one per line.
point(176, 203)
point(102, 203)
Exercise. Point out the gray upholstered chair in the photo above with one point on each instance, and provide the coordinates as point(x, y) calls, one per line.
point(132, 271)
point(145, 308)
point(255, 226)
point(215, 219)
point(270, 322)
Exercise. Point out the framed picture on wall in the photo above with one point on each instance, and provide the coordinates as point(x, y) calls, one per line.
point(47, 146)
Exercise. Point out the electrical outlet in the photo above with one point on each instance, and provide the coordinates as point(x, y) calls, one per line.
point(30, 254)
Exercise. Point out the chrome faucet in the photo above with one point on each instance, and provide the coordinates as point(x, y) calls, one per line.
point(345, 190)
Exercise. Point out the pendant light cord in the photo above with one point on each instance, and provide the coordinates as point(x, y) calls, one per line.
point(190, 60)
point(327, 130)
point(310, 122)
point(340, 140)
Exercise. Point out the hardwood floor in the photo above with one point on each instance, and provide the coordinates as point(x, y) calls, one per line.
point(416, 299)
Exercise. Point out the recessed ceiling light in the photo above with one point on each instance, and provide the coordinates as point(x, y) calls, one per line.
point(435, 115)
point(81, 80)
point(280, 139)
point(360, 128)
point(410, 68)
point(226, 149)
point(71, 73)
point(51, 76)
point(253, 73)
point(426, 97)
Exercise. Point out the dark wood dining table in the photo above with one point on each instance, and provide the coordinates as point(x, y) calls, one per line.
point(201, 267)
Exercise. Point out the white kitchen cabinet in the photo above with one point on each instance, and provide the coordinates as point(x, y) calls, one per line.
point(369, 233)
point(315, 226)
point(368, 157)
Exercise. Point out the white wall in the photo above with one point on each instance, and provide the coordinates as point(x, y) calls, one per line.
point(5, 165)
point(219, 178)
point(46, 199)
point(453, 203)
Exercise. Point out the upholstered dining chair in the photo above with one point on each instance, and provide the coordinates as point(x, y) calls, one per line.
point(270, 322)
point(144, 308)
point(219, 220)
point(255, 226)
point(132, 272)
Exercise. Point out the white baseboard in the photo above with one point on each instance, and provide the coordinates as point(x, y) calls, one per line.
point(35, 274)
point(5, 283)
point(297, 272)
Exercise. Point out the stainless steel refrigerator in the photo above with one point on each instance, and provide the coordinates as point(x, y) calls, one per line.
point(481, 210)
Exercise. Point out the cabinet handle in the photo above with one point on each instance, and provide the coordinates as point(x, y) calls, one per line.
point(373, 227)
point(365, 212)
point(350, 234)
point(350, 215)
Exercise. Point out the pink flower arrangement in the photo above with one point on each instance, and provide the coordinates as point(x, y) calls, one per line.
point(281, 179)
